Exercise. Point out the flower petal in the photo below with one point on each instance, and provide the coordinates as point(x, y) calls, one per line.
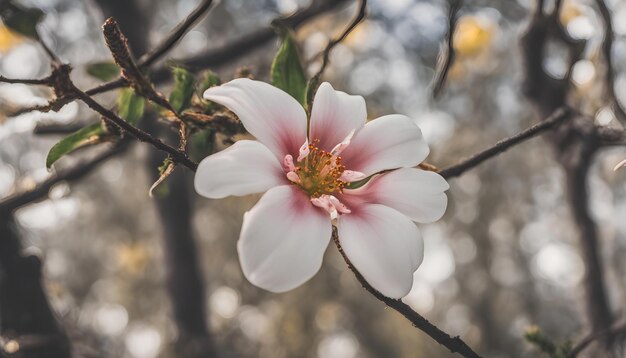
point(389, 142)
point(334, 115)
point(384, 246)
point(416, 193)
point(246, 167)
point(283, 240)
point(274, 117)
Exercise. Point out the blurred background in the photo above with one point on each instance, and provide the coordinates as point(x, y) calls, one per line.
point(504, 258)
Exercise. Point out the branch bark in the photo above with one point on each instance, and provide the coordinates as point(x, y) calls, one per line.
point(500, 147)
point(574, 143)
point(25, 314)
point(447, 54)
point(454, 344)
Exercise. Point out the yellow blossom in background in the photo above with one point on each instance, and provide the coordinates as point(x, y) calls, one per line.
point(569, 11)
point(133, 257)
point(8, 39)
point(473, 35)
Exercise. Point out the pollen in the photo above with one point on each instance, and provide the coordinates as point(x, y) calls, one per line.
point(319, 172)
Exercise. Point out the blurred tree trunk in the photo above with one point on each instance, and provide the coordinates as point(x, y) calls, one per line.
point(185, 284)
point(25, 313)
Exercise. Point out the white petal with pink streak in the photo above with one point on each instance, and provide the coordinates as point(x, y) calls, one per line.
point(283, 239)
point(246, 167)
point(416, 193)
point(271, 115)
point(334, 115)
point(383, 245)
point(388, 142)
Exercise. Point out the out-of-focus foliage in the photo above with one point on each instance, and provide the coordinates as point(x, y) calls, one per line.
point(130, 105)
point(20, 19)
point(180, 97)
point(103, 70)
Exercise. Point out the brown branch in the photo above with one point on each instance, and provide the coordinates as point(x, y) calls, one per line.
point(176, 155)
point(454, 344)
point(27, 316)
point(209, 58)
point(447, 54)
point(176, 34)
point(616, 330)
point(35, 81)
point(607, 46)
point(40, 192)
point(501, 146)
point(575, 145)
point(360, 15)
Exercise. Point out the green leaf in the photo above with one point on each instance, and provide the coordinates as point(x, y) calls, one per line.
point(20, 19)
point(130, 105)
point(89, 135)
point(208, 79)
point(202, 143)
point(104, 71)
point(287, 72)
point(180, 98)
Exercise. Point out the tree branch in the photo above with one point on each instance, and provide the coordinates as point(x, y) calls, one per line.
point(208, 58)
point(41, 191)
point(607, 46)
point(177, 155)
point(25, 313)
point(616, 330)
point(501, 146)
point(454, 344)
point(176, 34)
point(447, 54)
point(575, 145)
point(35, 81)
point(360, 15)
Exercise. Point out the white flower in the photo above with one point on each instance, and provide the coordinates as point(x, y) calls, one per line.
point(307, 180)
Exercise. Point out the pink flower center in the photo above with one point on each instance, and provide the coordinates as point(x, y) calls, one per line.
point(320, 174)
point(317, 171)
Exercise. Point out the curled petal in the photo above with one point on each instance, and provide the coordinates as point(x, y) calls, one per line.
point(343, 145)
point(274, 117)
point(334, 115)
point(620, 164)
point(304, 150)
point(389, 142)
point(351, 175)
point(283, 240)
point(384, 246)
point(246, 167)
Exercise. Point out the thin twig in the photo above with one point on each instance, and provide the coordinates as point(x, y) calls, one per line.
point(607, 46)
point(503, 145)
point(34, 81)
point(41, 191)
point(454, 344)
point(175, 35)
point(585, 342)
point(51, 55)
point(447, 54)
point(206, 59)
point(314, 81)
point(177, 155)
